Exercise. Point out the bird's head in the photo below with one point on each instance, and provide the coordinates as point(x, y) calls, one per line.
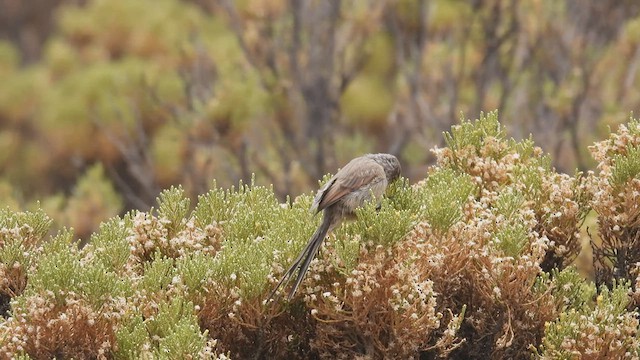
point(390, 164)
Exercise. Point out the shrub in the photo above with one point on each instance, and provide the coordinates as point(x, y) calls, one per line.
point(469, 263)
point(21, 235)
point(487, 266)
point(496, 164)
point(69, 307)
point(616, 201)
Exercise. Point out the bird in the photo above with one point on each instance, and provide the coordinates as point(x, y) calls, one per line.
point(361, 180)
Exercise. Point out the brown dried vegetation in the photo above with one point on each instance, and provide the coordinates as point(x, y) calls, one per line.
point(616, 201)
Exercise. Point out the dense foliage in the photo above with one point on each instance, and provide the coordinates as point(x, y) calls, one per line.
point(472, 262)
point(136, 96)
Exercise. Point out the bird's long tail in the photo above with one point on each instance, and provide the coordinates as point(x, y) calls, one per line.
point(303, 260)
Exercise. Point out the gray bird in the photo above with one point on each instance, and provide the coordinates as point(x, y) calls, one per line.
point(351, 187)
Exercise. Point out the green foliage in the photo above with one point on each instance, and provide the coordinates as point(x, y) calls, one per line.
point(100, 285)
point(294, 222)
point(176, 329)
point(255, 227)
point(13, 252)
point(166, 148)
point(347, 247)
point(401, 195)
point(571, 289)
point(444, 195)
point(634, 124)
point(194, 270)
point(109, 244)
point(212, 207)
point(185, 340)
point(473, 134)
point(605, 328)
point(508, 203)
point(625, 166)
point(61, 242)
point(21, 233)
point(174, 206)
point(237, 90)
point(61, 270)
point(357, 105)
point(131, 338)
point(100, 101)
point(34, 223)
point(94, 187)
point(384, 225)
point(530, 179)
point(247, 261)
point(244, 213)
point(512, 236)
point(512, 239)
point(172, 333)
point(527, 150)
point(8, 57)
point(158, 274)
point(438, 200)
point(293, 225)
point(253, 211)
point(141, 30)
point(530, 172)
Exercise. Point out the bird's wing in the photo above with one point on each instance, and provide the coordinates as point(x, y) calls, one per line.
point(350, 178)
point(315, 207)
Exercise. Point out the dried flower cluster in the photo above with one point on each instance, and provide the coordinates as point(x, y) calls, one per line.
point(471, 269)
point(385, 307)
point(524, 220)
point(43, 328)
point(558, 201)
point(150, 234)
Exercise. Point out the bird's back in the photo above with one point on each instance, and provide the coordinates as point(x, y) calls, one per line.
point(352, 185)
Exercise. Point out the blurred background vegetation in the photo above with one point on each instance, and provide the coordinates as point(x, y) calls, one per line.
point(103, 103)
